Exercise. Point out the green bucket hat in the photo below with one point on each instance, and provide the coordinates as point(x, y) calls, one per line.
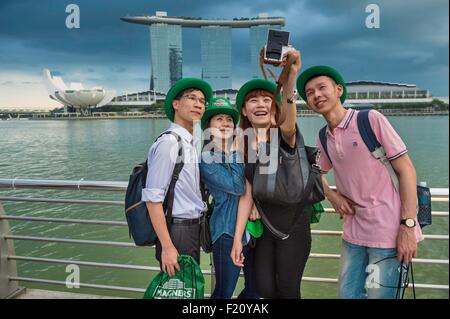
point(220, 105)
point(255, 228)
point(319, 70)
point(182, 85)
point(256, 84)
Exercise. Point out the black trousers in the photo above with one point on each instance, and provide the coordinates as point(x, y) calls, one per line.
point(280, 263)
point(185, 238)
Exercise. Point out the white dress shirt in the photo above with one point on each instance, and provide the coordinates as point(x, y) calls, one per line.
point(161, 162)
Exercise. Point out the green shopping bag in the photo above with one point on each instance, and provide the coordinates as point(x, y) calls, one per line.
point(188, 282)
point(315, 211)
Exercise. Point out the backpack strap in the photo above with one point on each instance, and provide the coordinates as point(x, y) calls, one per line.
point(323, 141)
point(366, 132)
point(301, 152)
point(374, 146)
point(170, 195)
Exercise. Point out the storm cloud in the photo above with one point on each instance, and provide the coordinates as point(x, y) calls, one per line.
point(411, 45)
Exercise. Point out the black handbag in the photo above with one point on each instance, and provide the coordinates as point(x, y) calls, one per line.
point(296, 181)
point(205, 230)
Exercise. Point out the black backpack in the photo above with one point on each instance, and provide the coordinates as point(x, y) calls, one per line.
point(139, 224)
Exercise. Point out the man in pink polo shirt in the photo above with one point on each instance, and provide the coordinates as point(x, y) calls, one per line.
point(380, 225)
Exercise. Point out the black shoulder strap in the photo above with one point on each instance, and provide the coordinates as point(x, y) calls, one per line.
point(206, 197)
point(267, 222)
point(323, 140)
point(301, 151)
point(170, 195)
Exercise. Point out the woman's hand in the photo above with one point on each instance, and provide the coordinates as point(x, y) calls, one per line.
point(254, 215)
point(341, 204)
point(236, 253)
point(296, 65)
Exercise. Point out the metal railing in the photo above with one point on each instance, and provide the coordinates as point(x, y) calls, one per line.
point(8, 272)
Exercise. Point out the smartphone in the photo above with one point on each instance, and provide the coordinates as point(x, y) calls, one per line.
point(277, 43)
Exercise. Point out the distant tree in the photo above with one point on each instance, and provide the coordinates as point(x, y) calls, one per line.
point(438, 105)
point(111, 108)
point(57, 110)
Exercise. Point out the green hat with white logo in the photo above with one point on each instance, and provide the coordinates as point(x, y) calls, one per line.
point(316, 71)
point(220, 105)
point(180, 86)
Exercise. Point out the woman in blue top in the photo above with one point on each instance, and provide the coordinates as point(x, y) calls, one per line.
point(222, 172)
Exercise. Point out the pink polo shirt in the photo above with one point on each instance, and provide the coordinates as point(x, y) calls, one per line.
point(366, 181)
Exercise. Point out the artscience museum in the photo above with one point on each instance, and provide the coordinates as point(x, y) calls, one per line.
point(75, 96)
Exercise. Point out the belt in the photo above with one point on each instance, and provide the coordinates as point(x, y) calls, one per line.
point(184, 221)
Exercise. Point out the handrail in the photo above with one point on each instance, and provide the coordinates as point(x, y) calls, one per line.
point(140, 267)
point(66, 220)
point(81, 285)
point(141, 290)
point(439, 194)
point(82, 184)
point(118, 203)
point(63, 184)
point(119, 223)
point(61, 200)
point(128, 244)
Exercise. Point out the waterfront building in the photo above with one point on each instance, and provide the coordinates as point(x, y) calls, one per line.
point(166, 55)
point(75, 97)
point(216, 56)
point(258, 39)
point(215, 46)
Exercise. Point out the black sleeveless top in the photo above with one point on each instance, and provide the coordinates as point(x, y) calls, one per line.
point(280, 216)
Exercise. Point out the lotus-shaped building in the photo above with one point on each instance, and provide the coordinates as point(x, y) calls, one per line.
point(75, 95)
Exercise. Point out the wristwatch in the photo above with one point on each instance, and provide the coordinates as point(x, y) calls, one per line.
point(408, 222)
point(293, 97)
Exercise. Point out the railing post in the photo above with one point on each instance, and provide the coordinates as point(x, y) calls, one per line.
point(8, 267)
point(213, 276)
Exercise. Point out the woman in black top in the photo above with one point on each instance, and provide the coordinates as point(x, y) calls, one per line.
point(279, 264)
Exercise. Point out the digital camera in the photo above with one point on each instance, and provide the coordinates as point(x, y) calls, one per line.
point(277, 45)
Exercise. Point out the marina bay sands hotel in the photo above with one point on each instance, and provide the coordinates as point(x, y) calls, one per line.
point(215, 46)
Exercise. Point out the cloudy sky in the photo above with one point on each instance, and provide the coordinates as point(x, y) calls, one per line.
point(411, 45)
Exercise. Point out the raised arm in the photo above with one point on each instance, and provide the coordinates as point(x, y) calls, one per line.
point(288, 112)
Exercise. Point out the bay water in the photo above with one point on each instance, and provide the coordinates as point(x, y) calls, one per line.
point(108, 149)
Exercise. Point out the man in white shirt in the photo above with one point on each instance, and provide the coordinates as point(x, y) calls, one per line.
point(184, 104)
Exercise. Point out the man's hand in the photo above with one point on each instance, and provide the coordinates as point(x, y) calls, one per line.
point(406, 244)
point(341, 204)
point(169, 260)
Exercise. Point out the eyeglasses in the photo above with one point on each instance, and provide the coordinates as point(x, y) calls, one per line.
point(403, 279)
point(193, 99)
